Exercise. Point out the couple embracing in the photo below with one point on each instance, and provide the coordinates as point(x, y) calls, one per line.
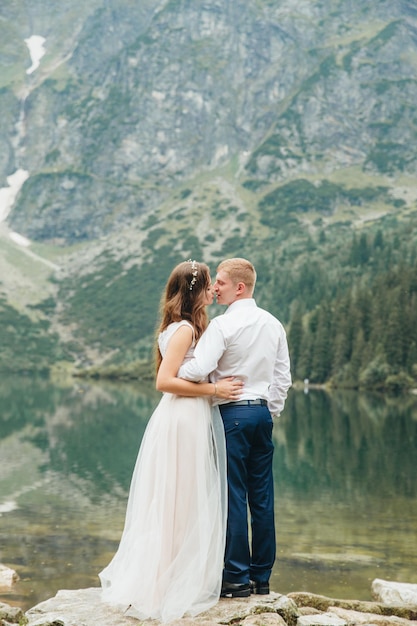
point(206, 453)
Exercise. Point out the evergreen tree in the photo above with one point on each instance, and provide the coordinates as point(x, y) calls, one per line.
point(304, 361)
point(379, 240)
point(322, 356)
point(295, 337)
point(343, 334)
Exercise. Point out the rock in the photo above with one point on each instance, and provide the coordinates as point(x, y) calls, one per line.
point(355, 617)
point(282, 605)
point(308, 610)
point(305, 599)
point(322, 603)
point(72, 608)
point(11, 615)
point(323, 619)
point(395, 593)
point(84, 607)
point(264, 619)
point(313, 603)
point(7, 576)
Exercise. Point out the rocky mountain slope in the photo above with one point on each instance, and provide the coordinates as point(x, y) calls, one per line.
point(153, 131)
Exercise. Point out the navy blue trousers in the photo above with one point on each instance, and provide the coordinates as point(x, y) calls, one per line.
point(250, 449)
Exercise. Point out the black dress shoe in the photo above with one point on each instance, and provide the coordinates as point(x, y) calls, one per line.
point(235, 590)
point(260, 588)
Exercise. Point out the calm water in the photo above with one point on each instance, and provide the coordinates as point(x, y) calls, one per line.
point(345, 478)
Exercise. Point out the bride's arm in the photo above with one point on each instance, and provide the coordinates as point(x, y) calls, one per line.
point(166, 380)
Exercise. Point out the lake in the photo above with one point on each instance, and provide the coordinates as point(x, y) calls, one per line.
point(345, 486)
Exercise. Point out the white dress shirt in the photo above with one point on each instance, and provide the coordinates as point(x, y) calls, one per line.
point(249, 343)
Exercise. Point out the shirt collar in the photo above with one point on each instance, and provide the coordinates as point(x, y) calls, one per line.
point(237, 304)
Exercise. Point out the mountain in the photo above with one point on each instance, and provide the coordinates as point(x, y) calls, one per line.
point(150, 132)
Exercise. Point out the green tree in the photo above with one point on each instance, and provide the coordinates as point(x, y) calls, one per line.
point(321, 359)
point(295, 337)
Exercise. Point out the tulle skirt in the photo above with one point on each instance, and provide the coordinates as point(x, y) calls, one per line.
point(170, 559)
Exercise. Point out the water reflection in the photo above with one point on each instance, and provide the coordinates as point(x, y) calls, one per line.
point(348, 444)
point(344, 477)
point(97, 432)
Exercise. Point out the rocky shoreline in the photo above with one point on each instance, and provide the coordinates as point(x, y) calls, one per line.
point(395, 605)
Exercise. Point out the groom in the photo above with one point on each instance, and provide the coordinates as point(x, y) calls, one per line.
point(249, 343)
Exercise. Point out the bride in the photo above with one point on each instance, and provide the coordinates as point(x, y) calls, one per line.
point(170, 559)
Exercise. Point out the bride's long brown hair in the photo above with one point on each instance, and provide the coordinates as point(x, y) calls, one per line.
point(184, 298)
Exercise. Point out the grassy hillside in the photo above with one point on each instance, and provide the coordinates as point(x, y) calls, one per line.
point(313, 242)
point(307, 251)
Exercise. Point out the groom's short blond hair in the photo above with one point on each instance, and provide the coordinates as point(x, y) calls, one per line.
point(240, 271)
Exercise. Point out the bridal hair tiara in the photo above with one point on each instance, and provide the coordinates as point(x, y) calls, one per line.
point(194, 272)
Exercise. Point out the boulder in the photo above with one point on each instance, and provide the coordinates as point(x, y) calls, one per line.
point(263, 619)
point(11, 615)
point(321, 619)
point(84, 606)
point(309, 603)
point(395, 593)
point(7, 576)
point(355, 618)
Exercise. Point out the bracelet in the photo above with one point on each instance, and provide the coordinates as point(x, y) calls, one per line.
point(215, 389)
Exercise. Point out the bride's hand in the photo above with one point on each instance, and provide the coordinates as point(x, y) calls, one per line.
point(229, 388)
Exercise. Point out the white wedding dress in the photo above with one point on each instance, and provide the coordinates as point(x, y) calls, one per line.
point(170, 559)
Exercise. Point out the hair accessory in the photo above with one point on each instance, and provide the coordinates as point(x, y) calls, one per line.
point(194, 272)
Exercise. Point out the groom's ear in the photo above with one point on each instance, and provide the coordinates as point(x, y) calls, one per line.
point(240, 288)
